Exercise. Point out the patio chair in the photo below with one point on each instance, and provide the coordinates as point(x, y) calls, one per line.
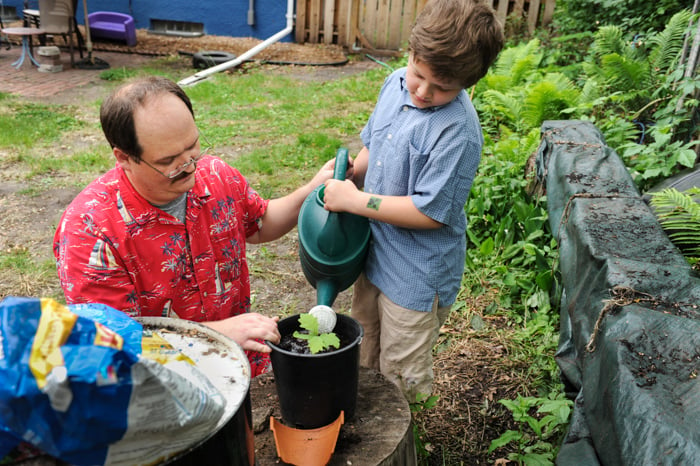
point(57, 17)
point(30, 14)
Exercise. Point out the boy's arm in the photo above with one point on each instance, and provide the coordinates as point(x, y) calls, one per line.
point(282, 213)
point(360, 167)
point(343, 196)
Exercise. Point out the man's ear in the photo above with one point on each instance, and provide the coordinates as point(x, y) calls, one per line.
point(122, 158)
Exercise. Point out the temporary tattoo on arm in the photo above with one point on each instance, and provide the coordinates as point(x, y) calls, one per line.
point(373, 203)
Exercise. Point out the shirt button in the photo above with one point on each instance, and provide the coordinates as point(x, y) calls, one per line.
point(205, 294)
point(388, 136)
point(379, 163)
point(405, 108)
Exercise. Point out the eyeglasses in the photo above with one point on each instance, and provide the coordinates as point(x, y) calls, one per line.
point(174, 173)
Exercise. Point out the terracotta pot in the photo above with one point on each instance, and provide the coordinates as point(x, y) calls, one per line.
point(314, 388)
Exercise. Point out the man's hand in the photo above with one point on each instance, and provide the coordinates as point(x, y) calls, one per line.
point(248, 329)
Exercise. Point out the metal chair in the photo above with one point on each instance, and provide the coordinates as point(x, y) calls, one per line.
point(57, 17)
point(30, 14)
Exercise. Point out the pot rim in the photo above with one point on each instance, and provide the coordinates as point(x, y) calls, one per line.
point(350, 346)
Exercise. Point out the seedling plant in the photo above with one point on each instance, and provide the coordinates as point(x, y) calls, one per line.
point(317, 342)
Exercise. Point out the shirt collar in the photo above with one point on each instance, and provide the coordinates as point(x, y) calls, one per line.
point(141, 209)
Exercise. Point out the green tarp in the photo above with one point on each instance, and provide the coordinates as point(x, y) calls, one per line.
point(629, 349)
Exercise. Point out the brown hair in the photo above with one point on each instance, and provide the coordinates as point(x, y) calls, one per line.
point(458, 39)
point(117, 110)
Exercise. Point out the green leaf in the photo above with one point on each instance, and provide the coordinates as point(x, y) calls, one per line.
point(487, 247)
point(316, 344)
point(505, 438)
point(330, 340)
point(308, 323)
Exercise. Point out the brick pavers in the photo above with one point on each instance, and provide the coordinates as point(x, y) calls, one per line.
point(28, 81)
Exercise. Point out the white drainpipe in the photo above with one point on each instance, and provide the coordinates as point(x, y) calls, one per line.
point(251, 12)
point(195, 78)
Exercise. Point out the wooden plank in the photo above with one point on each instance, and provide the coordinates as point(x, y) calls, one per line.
point(300, 23)
point(548, 12)
point(533, 15)
point(342, 22)
point(328, 21)
point(368, 17)
point(394, 32)
point(383, 15)
point(314, 20)
point(517, 11)
point(502, 11)
point(411, 9)
point(386, 24)
point(353, 22)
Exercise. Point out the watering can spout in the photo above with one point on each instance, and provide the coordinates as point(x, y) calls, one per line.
point(326, 292)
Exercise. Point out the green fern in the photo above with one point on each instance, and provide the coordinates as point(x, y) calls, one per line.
point(624, 73)
point(506, 107)
point(549, 99)
point(667, 45)
point(515, 64)
point(607, 40)
point(679, 215)
point(633, 69)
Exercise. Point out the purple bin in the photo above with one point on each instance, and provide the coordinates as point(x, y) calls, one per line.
point(112, 25)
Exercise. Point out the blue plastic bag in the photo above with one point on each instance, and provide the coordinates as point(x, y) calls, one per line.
point(69, 379)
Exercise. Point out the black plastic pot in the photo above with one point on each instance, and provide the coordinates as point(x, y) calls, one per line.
point(314, 388)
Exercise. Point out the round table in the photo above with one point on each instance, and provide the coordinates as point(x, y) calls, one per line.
point(26, 34)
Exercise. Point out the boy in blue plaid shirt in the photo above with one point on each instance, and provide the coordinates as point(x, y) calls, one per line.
point(422, 146)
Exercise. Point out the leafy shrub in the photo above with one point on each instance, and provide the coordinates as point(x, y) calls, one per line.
point(632, 16)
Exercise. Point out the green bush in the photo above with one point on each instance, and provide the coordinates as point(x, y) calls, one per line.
point(633, 16)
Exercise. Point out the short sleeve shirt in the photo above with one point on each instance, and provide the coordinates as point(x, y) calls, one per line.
point(113, 247)
point(432, 156)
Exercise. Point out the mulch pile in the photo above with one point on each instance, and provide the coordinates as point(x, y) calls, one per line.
point(279, 52)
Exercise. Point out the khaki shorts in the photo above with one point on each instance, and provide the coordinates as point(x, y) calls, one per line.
point(398, 342)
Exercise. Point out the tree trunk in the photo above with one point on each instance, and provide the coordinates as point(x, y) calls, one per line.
point(380, 434)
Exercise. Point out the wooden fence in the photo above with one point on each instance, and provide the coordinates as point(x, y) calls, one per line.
point(386, 24)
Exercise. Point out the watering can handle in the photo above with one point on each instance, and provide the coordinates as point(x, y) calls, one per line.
point(331, 239)
point(341, 164)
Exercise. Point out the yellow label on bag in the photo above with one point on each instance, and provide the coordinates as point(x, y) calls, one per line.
point(107, 337)
point(55, 325)
point(157, 348)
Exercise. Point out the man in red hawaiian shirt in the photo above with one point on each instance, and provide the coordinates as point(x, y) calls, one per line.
point(164, 232)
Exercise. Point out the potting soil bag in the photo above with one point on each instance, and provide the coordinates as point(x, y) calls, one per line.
point(76, 384)
point(629, 347)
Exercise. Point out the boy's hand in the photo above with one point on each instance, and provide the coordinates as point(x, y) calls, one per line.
point(338, 195)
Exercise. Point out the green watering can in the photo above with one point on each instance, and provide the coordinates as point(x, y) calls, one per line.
point(332, 245)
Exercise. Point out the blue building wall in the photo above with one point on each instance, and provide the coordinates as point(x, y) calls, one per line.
point(220, 17)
